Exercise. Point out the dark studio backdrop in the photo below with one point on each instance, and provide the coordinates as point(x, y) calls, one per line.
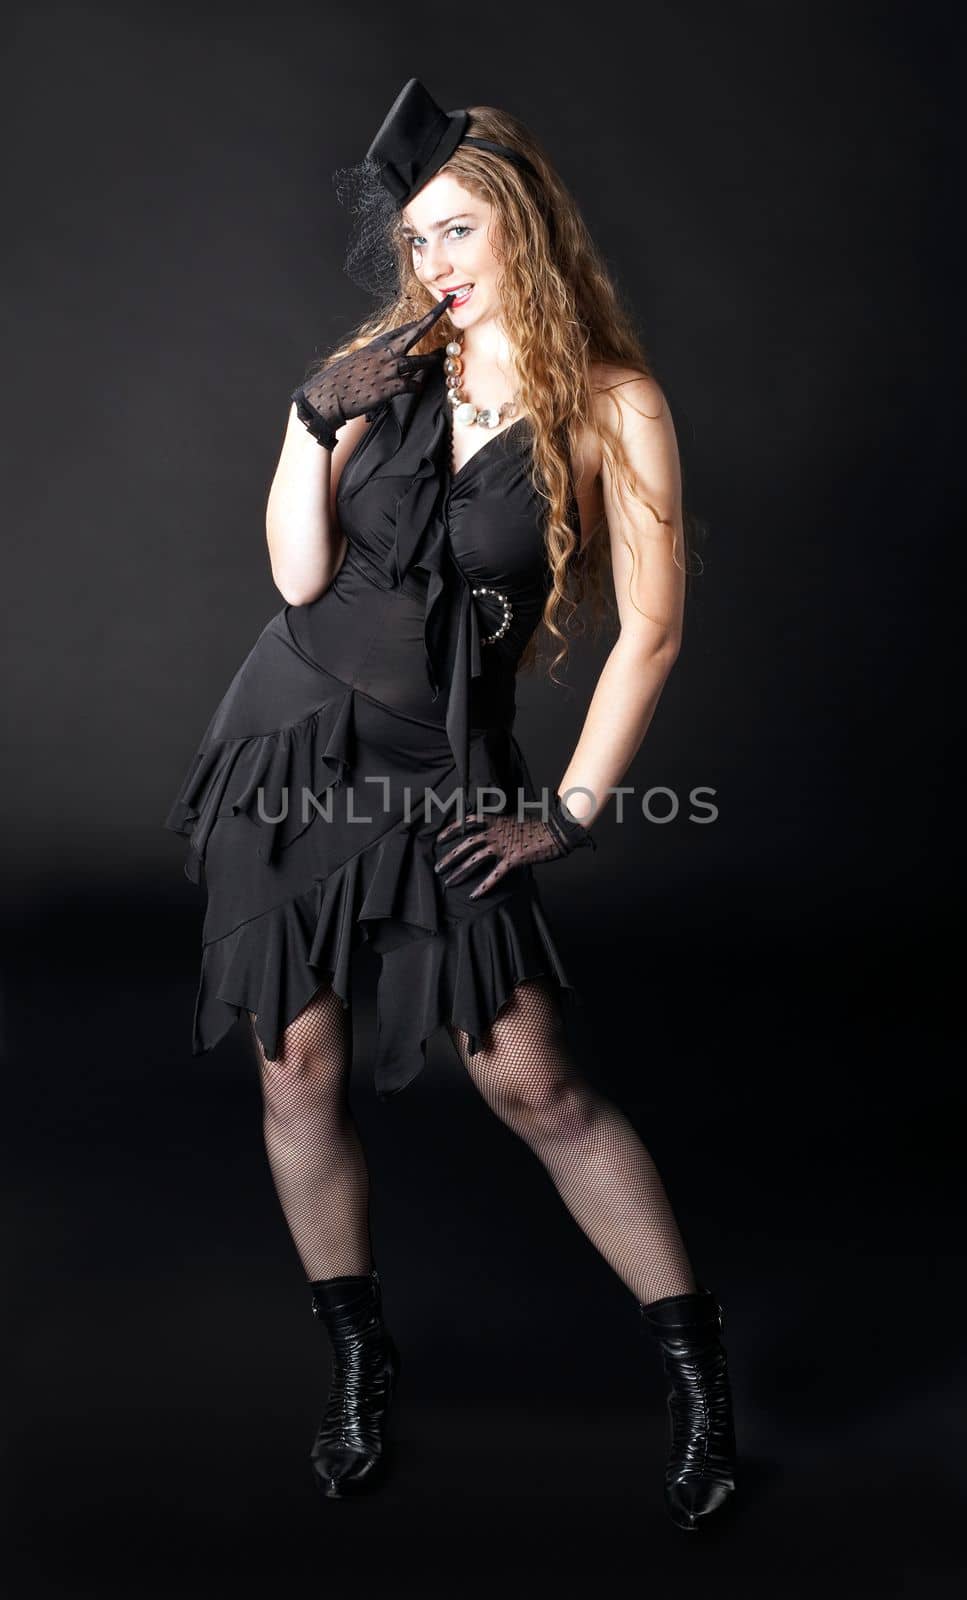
point(766, 996)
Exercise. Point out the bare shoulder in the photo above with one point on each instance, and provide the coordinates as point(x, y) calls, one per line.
point(625, 397)
point(621, 397)
point(631, 405)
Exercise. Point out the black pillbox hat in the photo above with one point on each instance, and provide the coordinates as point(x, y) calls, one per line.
point(417, 137)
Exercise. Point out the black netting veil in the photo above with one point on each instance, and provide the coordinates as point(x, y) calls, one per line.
point(373, 211)
point(370, 257)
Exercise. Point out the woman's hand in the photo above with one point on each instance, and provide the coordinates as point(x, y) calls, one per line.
point(513, 842)
point(365, 378)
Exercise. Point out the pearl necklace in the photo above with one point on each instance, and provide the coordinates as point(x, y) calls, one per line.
point(464, 410)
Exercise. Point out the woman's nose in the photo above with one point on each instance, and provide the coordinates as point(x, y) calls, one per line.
point(435, 263)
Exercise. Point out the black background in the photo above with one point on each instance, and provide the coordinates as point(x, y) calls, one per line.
point(769, 997)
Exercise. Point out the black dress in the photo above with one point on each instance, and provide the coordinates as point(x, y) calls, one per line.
point(314, 800)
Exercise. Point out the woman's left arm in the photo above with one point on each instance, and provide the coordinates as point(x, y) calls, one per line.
point(647, 543)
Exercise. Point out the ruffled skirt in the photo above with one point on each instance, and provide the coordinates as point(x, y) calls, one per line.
point(312, 811)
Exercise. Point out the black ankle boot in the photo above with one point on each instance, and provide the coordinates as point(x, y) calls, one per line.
point(349, 1443)
point(700, 1474)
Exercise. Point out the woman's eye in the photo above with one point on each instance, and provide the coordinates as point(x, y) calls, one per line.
point(419, 243)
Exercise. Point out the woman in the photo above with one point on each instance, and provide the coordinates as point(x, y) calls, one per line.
point(422, 541)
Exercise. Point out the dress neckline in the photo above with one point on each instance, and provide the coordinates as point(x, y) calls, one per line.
point(457, 473)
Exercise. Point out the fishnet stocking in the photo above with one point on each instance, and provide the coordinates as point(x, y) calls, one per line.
point(312, 1143)
point(597, 1162)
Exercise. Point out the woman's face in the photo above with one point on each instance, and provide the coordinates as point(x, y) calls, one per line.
point(448, 229)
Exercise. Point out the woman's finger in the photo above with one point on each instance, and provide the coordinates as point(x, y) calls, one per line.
point(500, 871)
point(455, 827)
point(422, 325)
point(412, 381)
point(466, 869)
point(459, 850)
point(409, 365)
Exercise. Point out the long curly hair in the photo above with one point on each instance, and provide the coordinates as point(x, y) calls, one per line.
point(562, 312)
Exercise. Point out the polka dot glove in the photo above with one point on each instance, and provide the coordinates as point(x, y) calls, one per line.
point(357, 383)
point(512, 841)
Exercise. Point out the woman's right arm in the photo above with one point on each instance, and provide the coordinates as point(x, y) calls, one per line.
point(306, 545)
point(326, 420)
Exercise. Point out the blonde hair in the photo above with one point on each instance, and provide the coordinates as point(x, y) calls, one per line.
point(562, 313)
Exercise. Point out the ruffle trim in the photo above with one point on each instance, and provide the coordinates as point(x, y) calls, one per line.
point(457, 971)
point(463, 977)
point(273, 964)
point(311, 755)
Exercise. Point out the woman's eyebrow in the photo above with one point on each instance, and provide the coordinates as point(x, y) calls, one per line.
point(435, 226)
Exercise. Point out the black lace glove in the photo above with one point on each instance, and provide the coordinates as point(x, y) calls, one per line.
point(356, 384)
point(513, 842)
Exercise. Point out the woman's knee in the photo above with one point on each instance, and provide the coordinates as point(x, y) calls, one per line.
point(314, 1050)
point(524, 1069)
point(543, 1106)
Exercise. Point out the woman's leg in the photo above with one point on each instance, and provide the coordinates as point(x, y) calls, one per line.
point(597, 1162)
point(322, 1181)
point(311, 1140)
